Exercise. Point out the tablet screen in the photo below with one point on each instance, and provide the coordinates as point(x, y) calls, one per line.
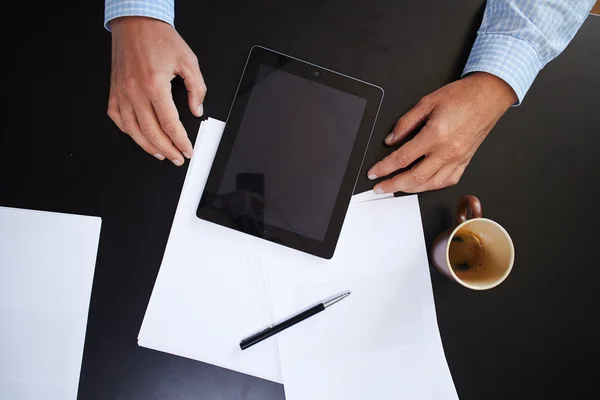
point(291, 151)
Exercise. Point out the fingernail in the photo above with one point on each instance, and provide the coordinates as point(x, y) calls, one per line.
point(389, 138)
point(378, 190)
point(371, 176)
point(187, 155)
point(177, 162)
point(159, 156)
point(200, 110)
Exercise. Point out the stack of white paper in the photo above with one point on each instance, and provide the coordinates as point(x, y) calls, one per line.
point(47, 265)
point(209, 292)
point(217, 286)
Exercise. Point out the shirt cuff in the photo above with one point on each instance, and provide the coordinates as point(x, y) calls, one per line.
point(163, 10)
point(510, 58)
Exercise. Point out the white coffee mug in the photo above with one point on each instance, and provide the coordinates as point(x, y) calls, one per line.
point(485, 246)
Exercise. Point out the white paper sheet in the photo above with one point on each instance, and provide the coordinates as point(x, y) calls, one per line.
point(210, 291)
point(47, 263)
point(381, 342)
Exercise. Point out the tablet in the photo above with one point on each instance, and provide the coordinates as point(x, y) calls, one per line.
point(291, 152)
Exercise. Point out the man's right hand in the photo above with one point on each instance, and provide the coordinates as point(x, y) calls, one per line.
point(146, 55)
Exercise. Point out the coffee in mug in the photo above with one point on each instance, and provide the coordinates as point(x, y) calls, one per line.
point(478, 253)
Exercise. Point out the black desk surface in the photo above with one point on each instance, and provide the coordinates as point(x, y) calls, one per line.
point(538, 174)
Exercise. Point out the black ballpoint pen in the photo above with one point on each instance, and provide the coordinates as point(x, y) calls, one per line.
point(272, 330)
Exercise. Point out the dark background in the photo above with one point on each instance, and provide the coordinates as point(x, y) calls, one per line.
point(537, 174)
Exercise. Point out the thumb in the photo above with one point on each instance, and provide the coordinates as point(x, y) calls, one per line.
point(410, 121)
point(194, 83)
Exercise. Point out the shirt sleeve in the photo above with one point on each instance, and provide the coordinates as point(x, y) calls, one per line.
point(163, 10)
point(517, 38)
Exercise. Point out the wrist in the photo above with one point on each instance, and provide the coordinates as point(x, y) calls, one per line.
point(495, 87)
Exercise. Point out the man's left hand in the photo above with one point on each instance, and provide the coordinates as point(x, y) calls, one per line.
point(457, 119)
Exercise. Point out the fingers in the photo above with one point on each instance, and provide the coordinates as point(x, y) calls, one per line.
point(114, 113)
point(194, 83)
point(454, 178)
point(410, 121)
point(448, 175)
point(417, 176)
point(402, 157)
point(151, 130)
point(126, 120)
point(438, 181)
point(168, 119)
point(142, 126)
point(153, 124)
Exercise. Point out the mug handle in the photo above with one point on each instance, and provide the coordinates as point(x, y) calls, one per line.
point(465, 204)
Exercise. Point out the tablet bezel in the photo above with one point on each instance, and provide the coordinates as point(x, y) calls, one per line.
point(371, 93)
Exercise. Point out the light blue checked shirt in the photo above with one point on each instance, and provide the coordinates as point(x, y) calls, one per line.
point(517, 38)
point(159, 9)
